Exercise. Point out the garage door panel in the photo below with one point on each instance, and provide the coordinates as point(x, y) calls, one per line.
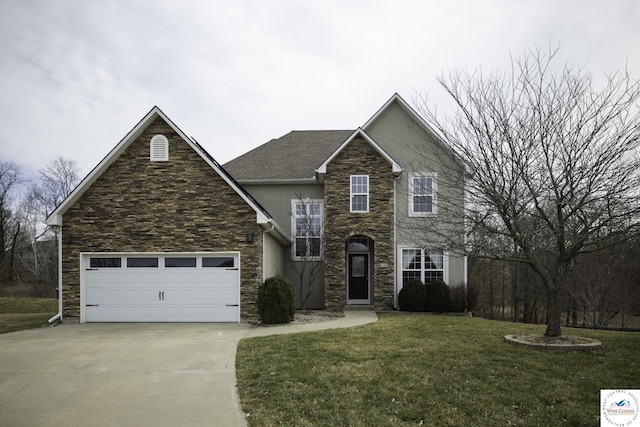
point(156, 313)
point(199, 313)
point(221, 295)
point(161, 294)
point(124, 313)
point(123, 295)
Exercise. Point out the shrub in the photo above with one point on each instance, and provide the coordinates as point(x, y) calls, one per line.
point(412, 296)
point(438, 298)
point(458, 298)
point(276, 301)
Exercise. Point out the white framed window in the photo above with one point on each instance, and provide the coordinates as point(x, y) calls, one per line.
point(422, 194)
point(306, 224)
point(359, 193)
point(423, 264)
point(159, 148)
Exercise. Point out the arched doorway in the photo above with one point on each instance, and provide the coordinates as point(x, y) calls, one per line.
point(359, 256)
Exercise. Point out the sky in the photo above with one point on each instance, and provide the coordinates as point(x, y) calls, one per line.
point(77, 75)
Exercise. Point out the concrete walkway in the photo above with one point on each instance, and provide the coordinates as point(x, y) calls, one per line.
point(130, 374)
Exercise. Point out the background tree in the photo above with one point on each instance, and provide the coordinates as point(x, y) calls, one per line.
point(606, 285)
point(36, 250)
point(553, 164)
point(55, 181)
point(10, 179)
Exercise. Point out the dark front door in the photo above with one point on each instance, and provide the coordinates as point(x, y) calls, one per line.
point(358, 292)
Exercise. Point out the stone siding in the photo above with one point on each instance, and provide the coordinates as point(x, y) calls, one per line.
point(359, 158)
point(181, 205)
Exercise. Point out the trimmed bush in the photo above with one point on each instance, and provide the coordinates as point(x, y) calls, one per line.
point(276, 301)
point(412, 296)
point(438, 298)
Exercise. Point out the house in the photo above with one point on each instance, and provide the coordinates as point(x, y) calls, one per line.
point(159, 231)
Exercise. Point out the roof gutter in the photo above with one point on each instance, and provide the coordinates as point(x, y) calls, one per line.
point(277, 232)
point(283, 181)
point(58, 316)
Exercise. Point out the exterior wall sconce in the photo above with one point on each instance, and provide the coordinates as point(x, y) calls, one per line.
point(249, 237)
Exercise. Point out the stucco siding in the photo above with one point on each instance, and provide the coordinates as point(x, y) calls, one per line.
point(277, 199)
point(273, 257)
point(419, 153)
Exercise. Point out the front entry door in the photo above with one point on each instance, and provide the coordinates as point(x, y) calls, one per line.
point(358, 286)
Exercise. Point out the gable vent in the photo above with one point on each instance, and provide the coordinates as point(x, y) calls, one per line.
point(159, 148)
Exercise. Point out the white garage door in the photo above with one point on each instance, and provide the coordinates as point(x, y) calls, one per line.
point(161, 287)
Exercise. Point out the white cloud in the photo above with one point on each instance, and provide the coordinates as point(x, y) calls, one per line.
point(77, 76)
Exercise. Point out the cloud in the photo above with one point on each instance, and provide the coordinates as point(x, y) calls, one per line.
point(77, 76)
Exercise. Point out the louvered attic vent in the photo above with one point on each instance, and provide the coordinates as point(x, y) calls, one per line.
point(159, 148)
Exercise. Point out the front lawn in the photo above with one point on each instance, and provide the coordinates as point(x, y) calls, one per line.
point(414, 369)
point(25, 313)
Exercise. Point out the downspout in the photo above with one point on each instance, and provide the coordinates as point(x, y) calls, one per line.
point(58, 317)
point(395, 244)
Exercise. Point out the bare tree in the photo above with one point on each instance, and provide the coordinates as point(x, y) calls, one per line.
point(308, 258)
point(553, 163)
point(10, 179)
point(56, 181)
point(36, 250)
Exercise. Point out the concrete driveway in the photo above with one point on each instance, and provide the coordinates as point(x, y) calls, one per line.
point(162, 374)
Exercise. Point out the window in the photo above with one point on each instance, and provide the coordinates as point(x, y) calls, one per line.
point(218, 261)
point(159, 148)
point(142, 262)
point(422, 264)
point(359, 193)
point(422, 195)
point(307, 228)
point(105, 262)
point(180, 262)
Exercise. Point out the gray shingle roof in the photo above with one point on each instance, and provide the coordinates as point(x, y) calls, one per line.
point(295, 155)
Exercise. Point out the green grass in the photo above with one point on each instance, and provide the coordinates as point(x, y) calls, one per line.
point(412, 369)
point(25, 313)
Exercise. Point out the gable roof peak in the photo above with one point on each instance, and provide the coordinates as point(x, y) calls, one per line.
point(396, 98)
point(396, 168)
point(262, 216)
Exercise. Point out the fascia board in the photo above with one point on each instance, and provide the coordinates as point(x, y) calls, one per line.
point(55, 218)
point(274, 181)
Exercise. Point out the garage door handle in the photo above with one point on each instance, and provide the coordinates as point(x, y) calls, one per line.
point(92, 305)
point(92, 269)
point(235, 269)
point(161, 296)
point(233, 305)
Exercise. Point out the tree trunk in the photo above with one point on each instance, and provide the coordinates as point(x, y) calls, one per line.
point(515, 296)
point(554, 313)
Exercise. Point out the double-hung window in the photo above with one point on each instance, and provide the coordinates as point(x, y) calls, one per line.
point(422, 194)
point(425, 265)
point(359, 193)
point(307, 229)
